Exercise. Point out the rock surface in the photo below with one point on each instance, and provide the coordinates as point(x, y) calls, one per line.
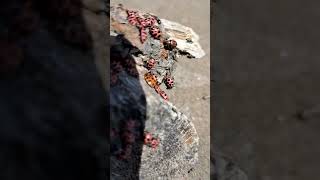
point(132, 99)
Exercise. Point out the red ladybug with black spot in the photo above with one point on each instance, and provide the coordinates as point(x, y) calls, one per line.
point(155, 32)
point(132, 17)
point(142, 22)
point(170, 44)
point(164, 95)
point(147, 138)
point(150, 63)
point(169, 82)
point(150, 21)
point(143, 35)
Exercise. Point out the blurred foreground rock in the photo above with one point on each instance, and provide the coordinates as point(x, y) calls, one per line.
point(53, 102)
point(224, 168)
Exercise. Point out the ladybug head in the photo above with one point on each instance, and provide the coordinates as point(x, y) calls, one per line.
point(153, 21)
point(131, 12)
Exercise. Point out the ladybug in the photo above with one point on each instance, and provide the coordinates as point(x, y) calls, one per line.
point(142, 22)
point(151, 63)
point(113, 79)
point(116, 66)
point(128, 137)
point(132, 17)
point(130, 124)
point(170, 44)
point(164, 95)
point(124, 153)
point(169, 82)
point(132, 13)
point(154, 20)
point(154, 143)
point(133, 21)
point(147, 138)
point(151, 79)
point(143, 35)
point(155, 32)
point(150, 21)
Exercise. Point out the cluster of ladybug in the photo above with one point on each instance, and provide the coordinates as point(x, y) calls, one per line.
point(151, 78)
point(143, 24)
point(150, 141)
point(128, 136)
point(155, 32)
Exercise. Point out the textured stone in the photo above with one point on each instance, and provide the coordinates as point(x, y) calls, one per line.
point(132, 99)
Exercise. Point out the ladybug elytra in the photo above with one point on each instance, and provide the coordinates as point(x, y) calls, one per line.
point(169, 82)
point(170, 44)
point(151, 63)
point(143, 35)
point(155, 32)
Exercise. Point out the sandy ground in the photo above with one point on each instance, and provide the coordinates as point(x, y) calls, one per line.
point(266, 68)
point(192, 75)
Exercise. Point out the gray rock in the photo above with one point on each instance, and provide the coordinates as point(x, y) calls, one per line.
point(131, 99)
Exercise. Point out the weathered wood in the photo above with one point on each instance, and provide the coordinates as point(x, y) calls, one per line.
point(186, 38)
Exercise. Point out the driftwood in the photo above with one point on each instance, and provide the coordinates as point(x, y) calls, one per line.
point(134, 102)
